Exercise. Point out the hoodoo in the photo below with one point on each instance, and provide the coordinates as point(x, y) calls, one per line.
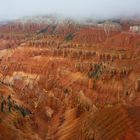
point(70, 78)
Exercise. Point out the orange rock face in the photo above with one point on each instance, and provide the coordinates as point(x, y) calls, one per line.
point(69, 82)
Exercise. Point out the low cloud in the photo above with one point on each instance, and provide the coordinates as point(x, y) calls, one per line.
point(96, 9)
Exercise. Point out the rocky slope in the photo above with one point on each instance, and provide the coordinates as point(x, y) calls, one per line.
point(69, 82)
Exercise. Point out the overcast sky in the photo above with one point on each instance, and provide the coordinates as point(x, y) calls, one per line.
point(10, 9)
